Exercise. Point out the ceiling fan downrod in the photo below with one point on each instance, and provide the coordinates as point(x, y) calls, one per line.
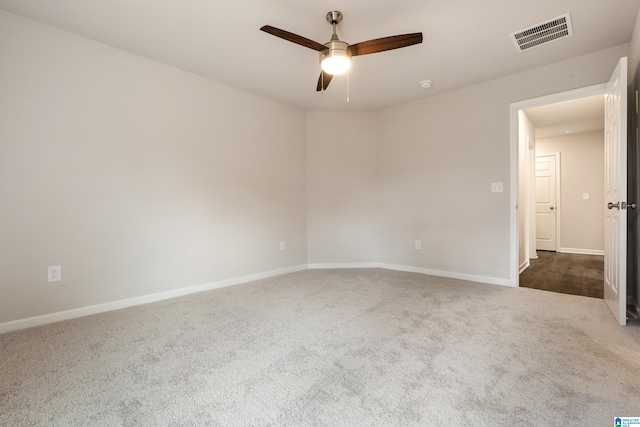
point(336, 58)
point(334, 17)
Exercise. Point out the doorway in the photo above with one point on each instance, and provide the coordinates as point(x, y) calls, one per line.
point(568, 187)
point(616, 177)
point(523, 247)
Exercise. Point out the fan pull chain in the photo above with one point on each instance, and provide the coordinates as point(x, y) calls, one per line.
point(347, 86)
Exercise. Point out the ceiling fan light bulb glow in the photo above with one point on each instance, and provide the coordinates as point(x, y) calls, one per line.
point(336, 64)
point(336, 59)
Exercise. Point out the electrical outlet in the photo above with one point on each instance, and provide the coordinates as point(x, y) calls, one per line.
point(54, 273)
point(585, 196)
point(283, 245)
point(497, 187)
point(418, 244)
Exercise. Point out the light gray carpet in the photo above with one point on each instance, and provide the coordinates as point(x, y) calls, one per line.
point(330, 347)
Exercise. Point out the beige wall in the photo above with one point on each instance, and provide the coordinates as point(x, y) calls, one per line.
point(581, 171)
point(634, 50)
point(439, 156)
point(342, 187)
point(136, 177)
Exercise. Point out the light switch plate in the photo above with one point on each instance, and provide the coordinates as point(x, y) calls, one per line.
point(585, 196)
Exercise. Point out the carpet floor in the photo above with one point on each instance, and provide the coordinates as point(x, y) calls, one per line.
point(367, 347)
point(573, 274)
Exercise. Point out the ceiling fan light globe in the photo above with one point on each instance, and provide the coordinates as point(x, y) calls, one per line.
point(336, 64)
point(336, 59)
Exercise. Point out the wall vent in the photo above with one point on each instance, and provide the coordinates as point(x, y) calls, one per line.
point(543, 33)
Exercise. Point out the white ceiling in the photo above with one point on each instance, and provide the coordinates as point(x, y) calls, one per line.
point(575, 116)
point(465, 41)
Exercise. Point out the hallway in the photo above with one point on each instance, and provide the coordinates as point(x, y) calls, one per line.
point(566, 273)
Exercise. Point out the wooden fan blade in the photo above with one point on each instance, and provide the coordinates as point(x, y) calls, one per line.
point(323, 81)
point(385, 43)
point(302, 41)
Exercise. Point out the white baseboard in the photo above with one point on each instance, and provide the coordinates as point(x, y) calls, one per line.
point(582, 251)
point(144, 299)
point(524, 266)
point(45, 319)
point(449, 274)
point(344, 265)
point(430, 272)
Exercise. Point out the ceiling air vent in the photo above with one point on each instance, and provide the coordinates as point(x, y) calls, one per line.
point(543, 33)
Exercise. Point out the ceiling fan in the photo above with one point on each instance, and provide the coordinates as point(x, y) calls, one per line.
point(335, 55)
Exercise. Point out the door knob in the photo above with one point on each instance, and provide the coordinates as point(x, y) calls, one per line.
point(552, 207)
point(613, 205)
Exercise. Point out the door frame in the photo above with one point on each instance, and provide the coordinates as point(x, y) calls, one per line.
point(558, 201)
point(514, 107)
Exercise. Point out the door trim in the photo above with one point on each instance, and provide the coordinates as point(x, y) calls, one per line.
point(514, 107)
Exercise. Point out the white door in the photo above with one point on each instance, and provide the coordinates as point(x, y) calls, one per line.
point(615, 186)
point(546, 206)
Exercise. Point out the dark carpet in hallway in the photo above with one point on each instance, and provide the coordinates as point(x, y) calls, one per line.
point(566, 273)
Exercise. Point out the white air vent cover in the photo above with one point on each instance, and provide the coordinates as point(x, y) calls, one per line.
point(543, 33)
